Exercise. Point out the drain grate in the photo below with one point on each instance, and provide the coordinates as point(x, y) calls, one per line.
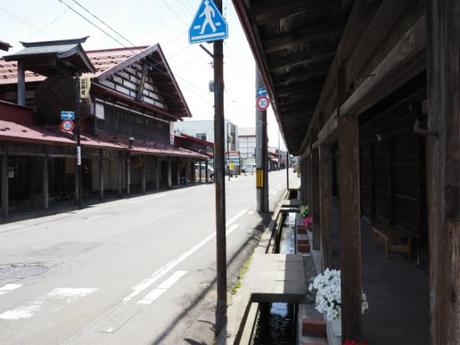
point(21, 270)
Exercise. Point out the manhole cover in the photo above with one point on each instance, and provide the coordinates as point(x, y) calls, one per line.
point(21, 270)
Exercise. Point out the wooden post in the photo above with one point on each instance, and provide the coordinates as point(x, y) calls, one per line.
point(101, 175)
point(350, 226)
point(120, 175)
point(157, 174)
point(45, 186)
point(143, 177)
point(200, 166)
point(128, 174)
point(169, 173)
point(443, 169)
point(178, 172)
point(206, 172)
point(5, 191)
point(303, 180)
point(325, 184)
point(315, 199)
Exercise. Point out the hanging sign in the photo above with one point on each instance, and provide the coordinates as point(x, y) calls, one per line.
point(85, 86)
point(262, 103)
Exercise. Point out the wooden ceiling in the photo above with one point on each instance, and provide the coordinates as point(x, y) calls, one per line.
point(294, 42)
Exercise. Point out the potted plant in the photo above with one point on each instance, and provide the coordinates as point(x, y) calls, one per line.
point(304, 211)
point(328, 299)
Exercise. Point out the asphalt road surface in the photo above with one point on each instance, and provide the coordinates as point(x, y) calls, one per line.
point(130, 271)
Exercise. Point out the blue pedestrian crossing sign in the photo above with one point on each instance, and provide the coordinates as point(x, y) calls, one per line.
point(208, 25)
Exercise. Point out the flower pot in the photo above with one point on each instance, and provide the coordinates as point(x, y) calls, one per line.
point(337, 327)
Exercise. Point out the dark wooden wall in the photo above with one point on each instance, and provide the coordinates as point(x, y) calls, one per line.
point(117, 120)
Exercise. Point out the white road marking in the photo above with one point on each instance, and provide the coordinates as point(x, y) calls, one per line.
point(162, 288)
point(68, 295)
point(158, 274)
point(231, 229)
point(9, 287)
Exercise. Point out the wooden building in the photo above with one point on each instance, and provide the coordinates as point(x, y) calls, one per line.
point(366, 94)
point(127, 138)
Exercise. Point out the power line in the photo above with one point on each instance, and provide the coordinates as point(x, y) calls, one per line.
point(25, 22)
point(104, 23)
point(89, 21)
point(175, 13)
point(134, 51)
point(49, 24)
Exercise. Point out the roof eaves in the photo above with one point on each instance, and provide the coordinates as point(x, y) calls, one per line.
point(125, 63)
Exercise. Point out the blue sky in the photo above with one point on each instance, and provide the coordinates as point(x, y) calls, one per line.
point(147, 22)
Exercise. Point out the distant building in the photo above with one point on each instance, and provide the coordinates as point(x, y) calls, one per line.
point(204, 130)
point(247, 141)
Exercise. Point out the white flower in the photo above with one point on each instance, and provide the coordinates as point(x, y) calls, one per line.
point(328, 294)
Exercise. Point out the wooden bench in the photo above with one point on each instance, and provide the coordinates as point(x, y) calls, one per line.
point(395, 240)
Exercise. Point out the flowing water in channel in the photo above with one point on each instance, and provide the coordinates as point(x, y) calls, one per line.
point(277, 321)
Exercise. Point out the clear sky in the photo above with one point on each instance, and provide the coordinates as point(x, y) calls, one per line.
point(147, 22)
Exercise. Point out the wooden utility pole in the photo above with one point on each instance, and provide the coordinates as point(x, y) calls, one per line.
point(219, 161)
point(443, 169)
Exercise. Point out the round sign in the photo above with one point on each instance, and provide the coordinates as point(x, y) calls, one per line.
point(262, 103)
point(67, 125)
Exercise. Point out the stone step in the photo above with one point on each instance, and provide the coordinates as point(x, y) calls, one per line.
point(314, 328)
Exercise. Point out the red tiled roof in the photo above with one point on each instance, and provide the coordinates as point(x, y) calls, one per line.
point(103, 60)
point(10, 131)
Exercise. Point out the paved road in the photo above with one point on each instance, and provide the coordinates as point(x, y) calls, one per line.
point(129, 271)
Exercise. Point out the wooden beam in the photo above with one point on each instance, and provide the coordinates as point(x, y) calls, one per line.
point(157, 169)
point(178, 171)
point(140, 89)
point(325, 202)
point(443, 170)
point(303, 36)
point(364, 16)
point(45, 182)
point(101, 174)
point(350, 226)
point(400, 65)
point(169, 173)
point(315, 190)
point(128, 174)
point(120, 174)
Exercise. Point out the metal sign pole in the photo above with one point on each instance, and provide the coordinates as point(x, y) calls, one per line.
point(219, 161)
point(78, 181)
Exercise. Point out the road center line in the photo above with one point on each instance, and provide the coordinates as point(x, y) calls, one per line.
point(158, 274)
point(162, 288)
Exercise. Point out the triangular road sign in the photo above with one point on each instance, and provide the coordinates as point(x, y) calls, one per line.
point(208, 24)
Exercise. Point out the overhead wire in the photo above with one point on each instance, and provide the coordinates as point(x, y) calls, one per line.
point(51, 22)
point(25, 22)
point(133, 50)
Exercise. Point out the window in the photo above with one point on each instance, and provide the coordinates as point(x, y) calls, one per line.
point(201, 136)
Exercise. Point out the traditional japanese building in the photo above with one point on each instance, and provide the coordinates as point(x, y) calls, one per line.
point(126, 124)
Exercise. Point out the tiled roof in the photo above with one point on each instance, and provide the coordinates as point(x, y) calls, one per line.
point(103, 60)
point(13, 132)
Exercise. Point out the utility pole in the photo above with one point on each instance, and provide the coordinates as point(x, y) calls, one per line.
point(261, 153)
point(219, 161)
point(78, 180)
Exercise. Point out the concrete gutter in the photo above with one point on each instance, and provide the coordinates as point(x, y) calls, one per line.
point(270, 278)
